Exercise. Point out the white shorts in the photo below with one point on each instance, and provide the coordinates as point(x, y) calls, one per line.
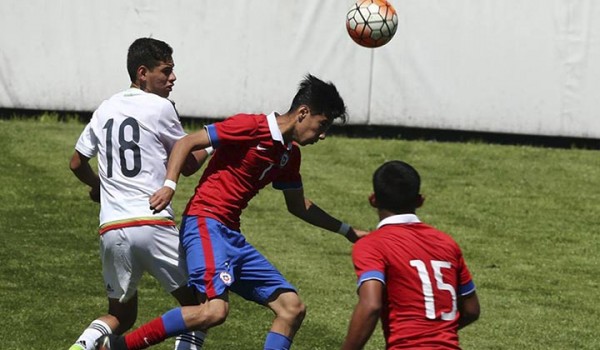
point(128, 252)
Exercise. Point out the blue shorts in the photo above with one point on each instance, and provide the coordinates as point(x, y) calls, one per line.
point(219, 259)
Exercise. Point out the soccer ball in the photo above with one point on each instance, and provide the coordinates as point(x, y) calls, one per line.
point(371, 23)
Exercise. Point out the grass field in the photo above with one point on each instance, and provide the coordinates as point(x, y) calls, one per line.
point(527, 220)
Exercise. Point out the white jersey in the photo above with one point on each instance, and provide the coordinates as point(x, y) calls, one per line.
point(132, 133)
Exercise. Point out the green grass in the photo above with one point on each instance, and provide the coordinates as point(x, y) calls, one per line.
point(526, 218)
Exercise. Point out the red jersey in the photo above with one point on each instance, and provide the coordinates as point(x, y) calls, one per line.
point(424, 272)
point(249, 154)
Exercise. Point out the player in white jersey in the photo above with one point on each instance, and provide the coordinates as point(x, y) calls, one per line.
point(132, 134)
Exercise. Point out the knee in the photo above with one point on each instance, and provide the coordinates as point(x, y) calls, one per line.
point(217, 314)
point(207, 315)
point(300, 312)
point(294, 312)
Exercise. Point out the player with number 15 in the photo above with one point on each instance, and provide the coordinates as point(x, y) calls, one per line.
point(410, 274)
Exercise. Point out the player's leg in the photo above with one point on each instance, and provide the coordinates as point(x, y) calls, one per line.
point(101, 326)
point(259, 281)
point(163, 258)
point(289, 313)
point(207, 257)
point(174, 322)
point(192, 340)
point(177, 321)
point(122, 315)
point(120, 279)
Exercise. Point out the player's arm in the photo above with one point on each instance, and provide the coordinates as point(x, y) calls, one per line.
point(195, 160)
point(306, 210)
point(192, 142)
point(365, 316)
point(468, 306)
point(80, 166)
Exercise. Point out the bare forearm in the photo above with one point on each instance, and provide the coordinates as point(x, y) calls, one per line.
point(88, 177)
point(81, 168)
point(177, 159)
point(465, 321)
point(361, 328)
point(192, 142)
point(194, 162)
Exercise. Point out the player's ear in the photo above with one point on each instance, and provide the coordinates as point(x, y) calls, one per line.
point(373, 200)
point(141, 73)
point(303, 112)
point(420, 200)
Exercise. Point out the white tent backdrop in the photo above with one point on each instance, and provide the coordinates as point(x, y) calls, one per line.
point(510, 66)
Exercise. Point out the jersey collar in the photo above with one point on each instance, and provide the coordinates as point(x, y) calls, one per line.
point(134, 91)
point(274, 128)
point(399, 219)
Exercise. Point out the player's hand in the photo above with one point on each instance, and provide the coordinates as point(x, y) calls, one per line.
point(160, 199)
point(354, 235)
point(95, 194)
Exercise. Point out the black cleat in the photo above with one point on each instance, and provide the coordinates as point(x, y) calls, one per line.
point(110, 342)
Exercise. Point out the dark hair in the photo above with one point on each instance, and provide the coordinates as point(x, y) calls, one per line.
point(147, 52)
point(321, 97)
point(397, 185)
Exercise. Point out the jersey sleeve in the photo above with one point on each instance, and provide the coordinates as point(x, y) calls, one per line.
point(170, 129)
point(236, 129)
point(466, 285)
point(369, 263)
point(87, 144)
point(289, 178)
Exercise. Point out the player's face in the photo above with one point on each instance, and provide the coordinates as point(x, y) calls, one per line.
point(312, 128)
point(161, 79)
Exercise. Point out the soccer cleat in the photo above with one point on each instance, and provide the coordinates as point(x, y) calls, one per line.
point(76, 347)
point(110, 342)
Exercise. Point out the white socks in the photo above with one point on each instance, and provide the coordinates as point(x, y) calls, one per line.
point(95, 330)
point(190, 341)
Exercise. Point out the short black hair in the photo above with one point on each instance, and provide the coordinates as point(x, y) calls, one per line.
point(397, 186)
point(147, 52)
point(321, 97)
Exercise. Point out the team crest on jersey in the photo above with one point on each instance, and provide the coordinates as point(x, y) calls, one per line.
point(225, 277)
point(284, 159)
